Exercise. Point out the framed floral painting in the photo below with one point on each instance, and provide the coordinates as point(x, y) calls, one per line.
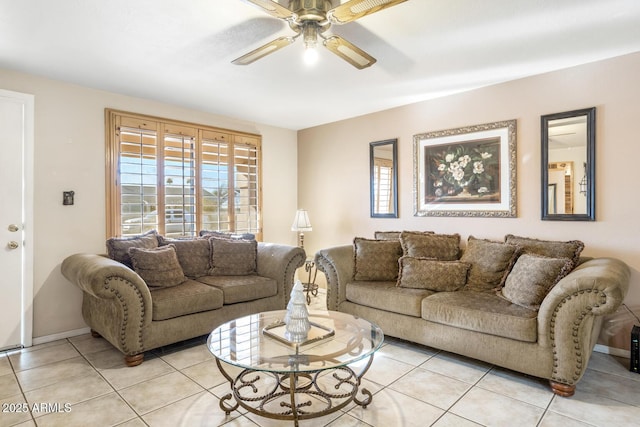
point(469, 171)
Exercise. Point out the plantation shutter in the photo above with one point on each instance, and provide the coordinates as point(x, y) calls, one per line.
point(180, 178)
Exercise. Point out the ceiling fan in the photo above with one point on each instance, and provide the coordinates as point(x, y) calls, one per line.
point(311, 19)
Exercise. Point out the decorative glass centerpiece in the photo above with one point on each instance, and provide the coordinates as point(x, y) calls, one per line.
point(295, 329)
point(297, 317)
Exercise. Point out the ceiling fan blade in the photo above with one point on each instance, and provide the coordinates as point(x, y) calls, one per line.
point(273, 8)
point(263, 51)
point(354, 9)
point(349, 52)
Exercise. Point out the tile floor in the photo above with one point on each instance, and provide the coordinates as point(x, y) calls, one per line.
point(82, 381)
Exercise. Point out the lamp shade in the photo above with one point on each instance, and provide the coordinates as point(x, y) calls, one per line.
point(301, 221)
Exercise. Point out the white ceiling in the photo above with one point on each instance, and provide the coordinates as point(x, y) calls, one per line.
point(180, 51)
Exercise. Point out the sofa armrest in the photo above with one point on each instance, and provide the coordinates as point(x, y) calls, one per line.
point(337, 264)
point(567, 315)
point(126, 301)
point(280, 262)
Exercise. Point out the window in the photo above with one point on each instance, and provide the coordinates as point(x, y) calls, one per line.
point(179, 178)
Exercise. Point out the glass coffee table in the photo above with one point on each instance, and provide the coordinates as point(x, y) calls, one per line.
point(295, 381)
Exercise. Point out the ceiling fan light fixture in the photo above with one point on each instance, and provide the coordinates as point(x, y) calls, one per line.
point(311, 55)
point(311, 19)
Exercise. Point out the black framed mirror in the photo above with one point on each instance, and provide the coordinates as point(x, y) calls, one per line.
point(568, 165)
point(383, 159)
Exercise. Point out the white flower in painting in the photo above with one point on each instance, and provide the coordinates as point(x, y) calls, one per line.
point(464, 160)
point(458, 174)
point(482, 190)
point(442, 167)
point(449, 158)
point(485, 155)
point(438, 183)
point(478, 167)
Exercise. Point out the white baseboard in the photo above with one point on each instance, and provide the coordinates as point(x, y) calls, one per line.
point(612, 351)
point(60, 336)
point(74, 333)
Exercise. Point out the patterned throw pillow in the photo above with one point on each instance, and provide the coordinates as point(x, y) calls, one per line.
point(376, 259)
point(193, 253)
point(439, 276)
point(532, 277)
point(443, 247)
point(223, 235)
point(233, 257)
point(549, 248)
point(158, 267)
point(490, 263)
point(118, 247)
point(387, 235)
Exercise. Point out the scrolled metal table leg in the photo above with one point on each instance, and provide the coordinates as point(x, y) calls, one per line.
point(228, 408)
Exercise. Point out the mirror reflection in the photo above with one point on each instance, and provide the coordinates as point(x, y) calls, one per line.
point(383, 179)
point(567, 162)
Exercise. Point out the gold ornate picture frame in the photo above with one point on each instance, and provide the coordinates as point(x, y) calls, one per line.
point(468, 171)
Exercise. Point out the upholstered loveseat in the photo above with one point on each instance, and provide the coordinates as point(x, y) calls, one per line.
point(528, 305)
point(151, 291)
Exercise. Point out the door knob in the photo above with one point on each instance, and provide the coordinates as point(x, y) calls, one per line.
point(13, 245)
point(13, 228)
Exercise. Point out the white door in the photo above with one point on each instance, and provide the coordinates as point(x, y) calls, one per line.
point(16, 192)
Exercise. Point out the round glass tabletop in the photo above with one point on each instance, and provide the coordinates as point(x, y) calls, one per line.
point(258, 342)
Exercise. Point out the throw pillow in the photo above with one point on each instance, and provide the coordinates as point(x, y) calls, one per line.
point(386, 235)
point(158, 267)
point(376, 259)
point(532, 277)
point(223, 235)
point(233, 257)
point(548, 248)
point(193, 254)
point(443, 247)
point(490, 263)
point(118, 247)
point(391, 235)
point(439, 276)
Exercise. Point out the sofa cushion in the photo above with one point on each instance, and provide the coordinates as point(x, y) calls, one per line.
point(549, 248)
point(242, 288)
point(387, 296)
point(194, 255)
point(118, 247)
point(233, 257)
point(490, 263)
point(443, 247)
point(532, 277)
point(187, 298)
point(376, 259)
point(481, 312)
point(158, 267)
point(426, 273)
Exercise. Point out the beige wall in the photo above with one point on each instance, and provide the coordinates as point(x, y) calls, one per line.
point(70, 155)
point(333, 162)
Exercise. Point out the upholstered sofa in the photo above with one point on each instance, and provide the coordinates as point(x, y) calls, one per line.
point(150, 291)
point(528, 305)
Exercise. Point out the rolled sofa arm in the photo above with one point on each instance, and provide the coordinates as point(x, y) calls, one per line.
point(337, 264)
point(567, 315)
point(280, 262)
point(117, 302)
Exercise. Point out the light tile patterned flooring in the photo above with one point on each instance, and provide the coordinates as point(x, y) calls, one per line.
point(82, 381)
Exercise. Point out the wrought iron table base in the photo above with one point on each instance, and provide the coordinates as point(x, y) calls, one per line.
point(295, 396)
point(310, 287)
